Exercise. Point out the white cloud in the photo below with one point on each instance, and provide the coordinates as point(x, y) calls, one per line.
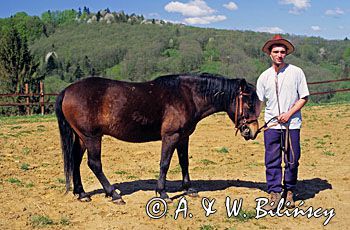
point(195, 11)
point(231, 6)
point(298, 5)
point(272, 30)
point(315, 28)
point(194, 8)
point(205, 20)
point(335, 12)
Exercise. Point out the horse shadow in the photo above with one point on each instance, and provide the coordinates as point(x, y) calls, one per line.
point(305, 189)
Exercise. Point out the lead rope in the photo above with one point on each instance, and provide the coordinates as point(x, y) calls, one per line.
point(287, 140)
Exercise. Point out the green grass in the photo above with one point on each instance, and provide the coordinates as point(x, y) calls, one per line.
point(155, 173)
point(328, 153)
point(61, 180)
point(223, 150)
point(26, 150)
point(175, 170)
point(15, 120)
point(131, 177)
point(207, 162)
point(321, 142)
point(21, 133)
point(25, 166)
point(14, 180)
point(16, 127)
point(121, 172)
point(64, 221)
point(41, 128)
point(245, 215)
point(338, 100)
point(41, 221)
point(4, 136)
point(207, 227)
point(30, 185)
point(126, 174)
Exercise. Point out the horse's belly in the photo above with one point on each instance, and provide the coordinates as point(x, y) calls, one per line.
point(134, 133)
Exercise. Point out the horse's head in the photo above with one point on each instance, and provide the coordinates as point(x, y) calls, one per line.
point(243, 111)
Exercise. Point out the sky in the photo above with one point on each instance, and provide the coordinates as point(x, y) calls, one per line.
point(329, 19)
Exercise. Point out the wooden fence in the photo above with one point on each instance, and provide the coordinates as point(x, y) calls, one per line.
point(42, 95)
point(29, 95)
point(329, 81)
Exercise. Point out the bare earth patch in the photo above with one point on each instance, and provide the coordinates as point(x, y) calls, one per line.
point(221, 165)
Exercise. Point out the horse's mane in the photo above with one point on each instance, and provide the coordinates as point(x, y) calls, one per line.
point(168, 81)
point(216, 88)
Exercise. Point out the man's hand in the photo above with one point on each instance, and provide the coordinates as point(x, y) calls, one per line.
point(284, 117)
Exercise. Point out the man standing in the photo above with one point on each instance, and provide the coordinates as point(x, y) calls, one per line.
point(283, 86)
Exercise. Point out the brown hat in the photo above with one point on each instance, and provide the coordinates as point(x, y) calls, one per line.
point(277, 39)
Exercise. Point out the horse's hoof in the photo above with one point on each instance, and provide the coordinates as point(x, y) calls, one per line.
point(84, 199)
point(193, 194)
point(168, 200)
point(119, 201)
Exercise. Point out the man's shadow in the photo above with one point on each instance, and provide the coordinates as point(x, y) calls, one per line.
point(306, 189)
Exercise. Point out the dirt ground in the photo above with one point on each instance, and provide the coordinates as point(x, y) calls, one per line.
point(222, 166)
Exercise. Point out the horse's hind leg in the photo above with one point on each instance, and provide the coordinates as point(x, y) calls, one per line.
point(182, 152)
point(78, 153)
point(93, 146)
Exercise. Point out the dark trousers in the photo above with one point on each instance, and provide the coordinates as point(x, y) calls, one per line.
point(273, 160)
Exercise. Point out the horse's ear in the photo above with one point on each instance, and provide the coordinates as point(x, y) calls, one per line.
point(242, 84)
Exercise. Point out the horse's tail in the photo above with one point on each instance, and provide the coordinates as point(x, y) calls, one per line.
point(67, 140)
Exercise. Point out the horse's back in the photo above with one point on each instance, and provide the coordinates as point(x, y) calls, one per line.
point(128, 111)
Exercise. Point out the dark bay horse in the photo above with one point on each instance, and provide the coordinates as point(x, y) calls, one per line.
point(167, 109)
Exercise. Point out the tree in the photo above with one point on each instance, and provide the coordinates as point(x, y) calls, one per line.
point(16, 63)
point(87, 66)
point(78, 73)
point(51, 64)
point(27, 26)
point(346, 58)
point(98, 16)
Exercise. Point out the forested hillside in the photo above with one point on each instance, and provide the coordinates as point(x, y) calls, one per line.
point(63, 46)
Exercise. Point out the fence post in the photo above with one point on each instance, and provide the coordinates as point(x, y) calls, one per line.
point(27, 99)
point(42, 98)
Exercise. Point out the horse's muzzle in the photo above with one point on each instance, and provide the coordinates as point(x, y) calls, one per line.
point(248, 131)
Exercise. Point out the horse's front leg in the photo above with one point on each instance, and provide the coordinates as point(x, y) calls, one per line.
point(169, 143)
point(182, 152)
